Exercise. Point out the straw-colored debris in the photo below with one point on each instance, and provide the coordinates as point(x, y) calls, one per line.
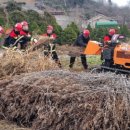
point(17, 62)
point(13, 62)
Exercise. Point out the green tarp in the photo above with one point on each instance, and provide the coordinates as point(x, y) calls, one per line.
point(106, 24)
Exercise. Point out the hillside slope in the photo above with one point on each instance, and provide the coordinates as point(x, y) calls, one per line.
point(90, 8)
point(26, 1)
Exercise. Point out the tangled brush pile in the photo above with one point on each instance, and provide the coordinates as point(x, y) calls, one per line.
point(62, 100)
point(15, 62)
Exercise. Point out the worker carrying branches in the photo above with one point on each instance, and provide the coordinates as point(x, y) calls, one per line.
point(13, 37)
point(26, 36)
point(49, 48)
point(19, 36)
point(81, 41)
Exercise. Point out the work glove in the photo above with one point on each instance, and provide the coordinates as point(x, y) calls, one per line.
point(101, 44)
point(34, 40)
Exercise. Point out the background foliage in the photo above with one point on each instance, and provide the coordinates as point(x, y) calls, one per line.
point(38, 24)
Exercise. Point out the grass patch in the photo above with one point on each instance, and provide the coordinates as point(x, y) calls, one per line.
point(93, 61)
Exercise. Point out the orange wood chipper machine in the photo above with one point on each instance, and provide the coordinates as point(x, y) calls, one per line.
point(115, 54)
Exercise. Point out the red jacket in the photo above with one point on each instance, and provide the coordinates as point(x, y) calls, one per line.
point(14, 34)
point(24, 33)
point(53, 35)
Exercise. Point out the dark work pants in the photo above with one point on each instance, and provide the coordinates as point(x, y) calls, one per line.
point(9, 41)
point(83, 60)
point(54, 57)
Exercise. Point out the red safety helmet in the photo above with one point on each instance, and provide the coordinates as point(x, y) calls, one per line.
point(50, 27)
point(86, 32)
point(1, 30)
point(18, 26)
point(24, 23)
point(112, 31)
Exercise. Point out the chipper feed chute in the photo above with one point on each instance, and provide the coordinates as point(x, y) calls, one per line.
point(93, 48)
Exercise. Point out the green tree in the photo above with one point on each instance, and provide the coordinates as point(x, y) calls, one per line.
point(75, 28)
point(98, 34)
point(124, 30)
point(34, 27)
point(37, 22)
point(16, 16)
point(42, 27)
point(68, 36)
point(32, 15)
point(89, 28)
point(49, 19)
point(12, 6)
point(58, 30)
point(2, 21)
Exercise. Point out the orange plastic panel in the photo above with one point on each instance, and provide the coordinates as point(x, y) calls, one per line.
point(93, 48)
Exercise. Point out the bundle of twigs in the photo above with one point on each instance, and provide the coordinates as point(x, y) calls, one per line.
point(41, 41)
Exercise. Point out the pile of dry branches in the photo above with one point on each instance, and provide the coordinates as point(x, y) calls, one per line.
point(16, 62)
point(62, 100)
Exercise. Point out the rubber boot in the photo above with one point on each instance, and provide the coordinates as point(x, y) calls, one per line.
point(72, 61)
